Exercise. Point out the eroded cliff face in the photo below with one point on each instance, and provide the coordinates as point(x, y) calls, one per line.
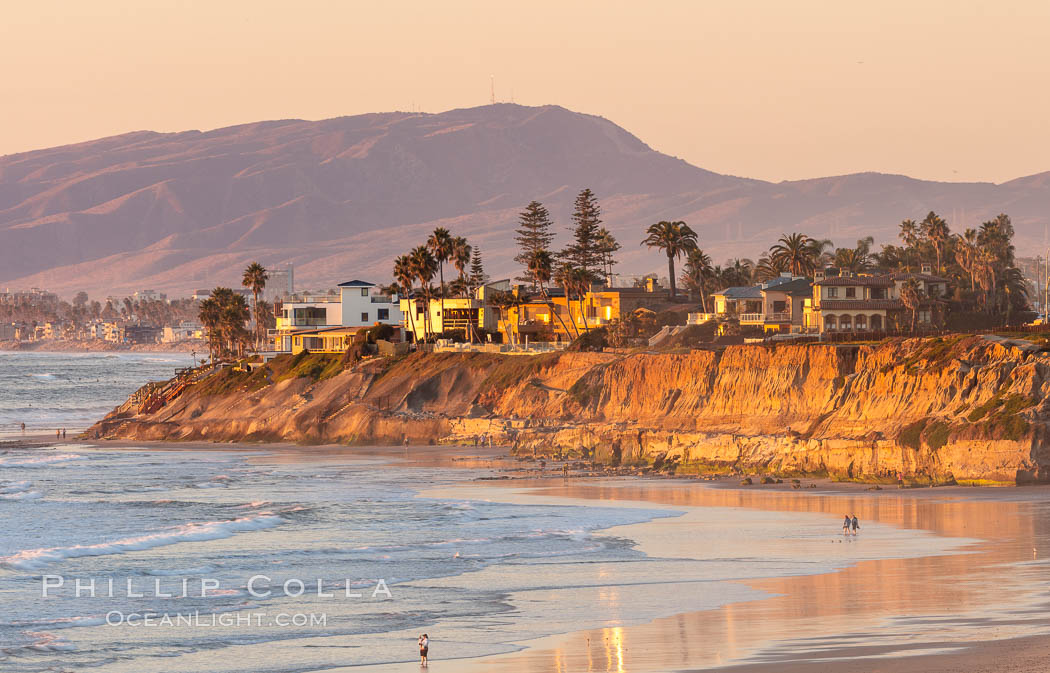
point(964, 409)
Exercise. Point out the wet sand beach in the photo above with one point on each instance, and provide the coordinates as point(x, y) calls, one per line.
point(982, 609)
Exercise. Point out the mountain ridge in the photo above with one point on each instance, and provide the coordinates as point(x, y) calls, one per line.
point(184, 210)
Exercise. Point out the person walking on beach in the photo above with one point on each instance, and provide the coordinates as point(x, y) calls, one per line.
point(424, 647)
point(23, 428)
point(63, 433)
point(855, 523)
point(846, 523)
point(58, 434)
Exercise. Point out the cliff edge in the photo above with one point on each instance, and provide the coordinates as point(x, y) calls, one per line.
point(963, 409)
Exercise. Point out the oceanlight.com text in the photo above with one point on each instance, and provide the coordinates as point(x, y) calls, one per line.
point(195, 619)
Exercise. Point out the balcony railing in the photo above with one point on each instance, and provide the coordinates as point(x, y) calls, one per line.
point(751, 317)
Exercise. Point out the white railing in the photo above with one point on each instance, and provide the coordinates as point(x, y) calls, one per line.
point(751, 317)
point(699, 318)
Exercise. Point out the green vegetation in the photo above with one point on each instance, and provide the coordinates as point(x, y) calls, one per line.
point(937, 433)
point(936, 353)
point(316, 366)
point(911, 434)
point(511, 370)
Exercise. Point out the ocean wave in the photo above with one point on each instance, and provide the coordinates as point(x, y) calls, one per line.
point(22, 495)
point(16, 486)
point(59, 622)
point(182, 572)
point(33, 559)
point(39, 461)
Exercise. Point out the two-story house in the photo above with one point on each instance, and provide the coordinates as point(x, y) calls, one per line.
point(356, 305)
point(869, 303)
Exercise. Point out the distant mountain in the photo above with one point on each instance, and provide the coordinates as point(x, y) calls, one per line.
point(340, 198)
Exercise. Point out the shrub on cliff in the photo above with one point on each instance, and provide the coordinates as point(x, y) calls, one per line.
point(592, 341)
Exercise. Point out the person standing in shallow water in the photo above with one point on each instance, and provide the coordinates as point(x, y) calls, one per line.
point(424, 648)
point(846, 523)
point(855, 523)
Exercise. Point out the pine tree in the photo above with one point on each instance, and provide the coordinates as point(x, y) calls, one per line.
point(607, 247)
point(533, 233)
point(584, 253)
point(477, 271)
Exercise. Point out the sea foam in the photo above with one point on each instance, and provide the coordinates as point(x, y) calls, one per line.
point(33, 559)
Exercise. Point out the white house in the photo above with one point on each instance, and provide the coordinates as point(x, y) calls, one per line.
point(356, 305)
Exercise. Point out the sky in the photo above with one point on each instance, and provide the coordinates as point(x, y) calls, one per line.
point(770, 89)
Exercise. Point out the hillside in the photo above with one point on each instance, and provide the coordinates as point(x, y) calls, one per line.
point(963, 409)
point(340, 197)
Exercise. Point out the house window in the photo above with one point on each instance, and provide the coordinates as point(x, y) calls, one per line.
point(364, 316)
point(833, 292)
point(851, 293)
point(878, 293)
point(364, 292)
point(383, 314)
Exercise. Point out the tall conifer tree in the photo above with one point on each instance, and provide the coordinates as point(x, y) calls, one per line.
point(533, 234)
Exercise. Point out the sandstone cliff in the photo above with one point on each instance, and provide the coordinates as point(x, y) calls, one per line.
point(966, 408)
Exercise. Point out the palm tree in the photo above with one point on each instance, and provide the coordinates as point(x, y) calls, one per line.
point(855, 259)
point(966, 254)
point(936, 230)
point(254, 279)
point(769, 267)
point(504, 301)
point(795, 253)
point(540, 264)
point(209, 314)
point(581, 281)
point(675, 239)
point(423, 266)
point(910, 235)
point(405, 275)
point(461, 255)
point(441, 246)
point(697, 273)
point(564, 276)
point(911, 296)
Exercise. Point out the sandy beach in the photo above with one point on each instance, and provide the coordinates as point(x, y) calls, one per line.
point(980, 610)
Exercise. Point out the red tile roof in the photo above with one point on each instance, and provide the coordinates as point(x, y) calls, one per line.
point(876, 281)
point(859, 304)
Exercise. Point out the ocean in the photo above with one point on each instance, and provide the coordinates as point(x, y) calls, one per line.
point(73, 390)
point(123, 560)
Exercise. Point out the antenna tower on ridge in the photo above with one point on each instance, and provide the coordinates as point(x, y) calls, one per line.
point(492, 94)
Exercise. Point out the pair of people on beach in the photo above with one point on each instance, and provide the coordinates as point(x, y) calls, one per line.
point(850, 523)
point(424, 647)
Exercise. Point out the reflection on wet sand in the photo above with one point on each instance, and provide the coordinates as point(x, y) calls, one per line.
point(872, 609)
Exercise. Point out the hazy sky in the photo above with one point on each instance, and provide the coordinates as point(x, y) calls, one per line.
point(772, 89)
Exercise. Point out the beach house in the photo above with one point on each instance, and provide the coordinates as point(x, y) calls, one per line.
point(355, 304)
point(871, 302)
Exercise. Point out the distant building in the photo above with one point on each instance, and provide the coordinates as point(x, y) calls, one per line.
point(142, 334)
point(776, 305)
point(8, 331)
point(357, 305)
point(280, 283)
point(184, 331)
point(149, 295)
point(862, 302)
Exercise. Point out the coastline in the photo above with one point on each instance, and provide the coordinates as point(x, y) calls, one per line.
point(98, 346)
point(885, 614)
point(903, 593)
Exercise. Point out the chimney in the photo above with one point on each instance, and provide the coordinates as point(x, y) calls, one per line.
point(818, 275)
point(650, 284)
point(927, 268)
point(517, 290)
